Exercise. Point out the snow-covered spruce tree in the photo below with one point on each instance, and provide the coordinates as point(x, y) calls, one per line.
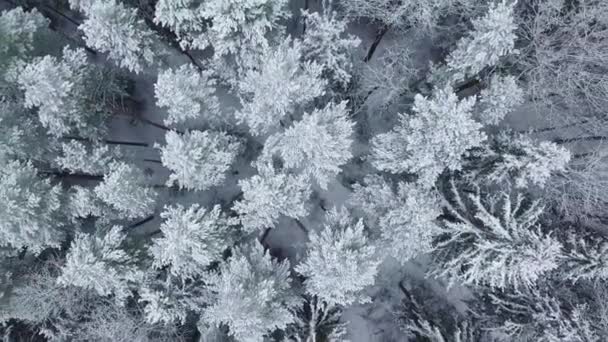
point(125, 189)
point(250, 294)
point(269, 195)
point(30, 209)
point(198, 160)
point(18, 30)
point(192, 239)
point(405, 218)
point(586, 257)
point(340, 261)
point(543, 314)
point(501, 97)
point(112, 28)
point(428, 316)
point(431, 139)
point(71, 95)
point(316, 321)
point(326, 42)
point(187, 94)
point(94, 159)
point(494, 240)
point(517, 158)
point(318, 145)
point(493, 37)
point(278, 86)
point(98, 262)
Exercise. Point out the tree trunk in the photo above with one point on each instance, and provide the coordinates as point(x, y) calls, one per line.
point(110, 142)
point(142, 222)
point(301, 226)
point(379, 35)
point(63, 174)
point(571, 140)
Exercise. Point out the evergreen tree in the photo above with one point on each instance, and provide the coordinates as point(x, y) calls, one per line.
point(30, 209)
point(317, 321)
point(94, 159)
point(18, 30)
point(432, 139)
point(518, 158)
point(406, 218)
point(317, 145)
point(251, 295)
point(112, 28)
point(402, 13)
point(187, 94)
point(586, 258)
point(325, 41)
point(269, 195)
point(198, 160)
point(340, 262)
point(99, 263)
point(183, 17)
point(71, 95)
point(192, 239)
point(495, 241)
point(21, 134)
point(499, 99)
point(124, 188)
point(280, 85)
point(239, 27)
point(493, 37)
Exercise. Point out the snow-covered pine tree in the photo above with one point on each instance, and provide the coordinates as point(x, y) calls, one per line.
point(18, 29)
point(71, 95)
point(340, 261)
point(187, 94)
point(94, 159)
point(493, 37)
point(432, 139)
point(251, 295)
point(21, 135)
point(239, 28)
point(405, 218)
point(402, 13)
point(125, 189)
point(183, 17)
point(278, 86)
point(318, 145)
point(198, 160)
point(171, 300)
point(192, 239)
point(82, 203)
point(30, 209)
point(517, 158)
point(326, 42)
point(501, 97)
point(269, 195)
point(111, 27)
point(494, 240)
point(317, 321)
point(98, 262)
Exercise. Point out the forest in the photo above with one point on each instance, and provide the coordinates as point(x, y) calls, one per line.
point(304, 170)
